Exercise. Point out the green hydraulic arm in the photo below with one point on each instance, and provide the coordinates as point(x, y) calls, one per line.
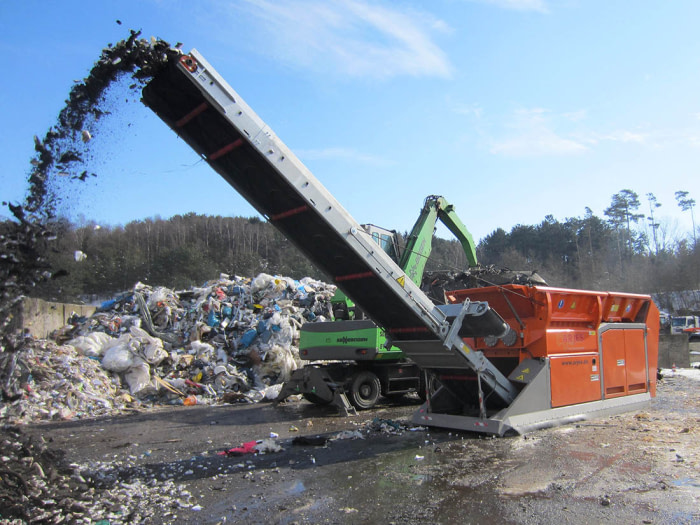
point(419, 241)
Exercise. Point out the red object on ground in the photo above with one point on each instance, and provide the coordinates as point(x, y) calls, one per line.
point(245, 448)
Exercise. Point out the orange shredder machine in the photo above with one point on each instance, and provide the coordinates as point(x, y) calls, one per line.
point(573, 354)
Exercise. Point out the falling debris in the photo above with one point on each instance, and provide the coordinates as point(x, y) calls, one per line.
point(62, 151)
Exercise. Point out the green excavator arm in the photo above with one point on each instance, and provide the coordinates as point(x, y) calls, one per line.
point(419, 242)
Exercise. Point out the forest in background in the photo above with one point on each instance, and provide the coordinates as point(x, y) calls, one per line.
point(626, 250)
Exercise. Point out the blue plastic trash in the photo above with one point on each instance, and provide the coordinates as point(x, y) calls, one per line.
point(248, 337)
point(212, 319)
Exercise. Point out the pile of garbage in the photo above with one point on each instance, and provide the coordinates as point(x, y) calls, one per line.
point(230, 340)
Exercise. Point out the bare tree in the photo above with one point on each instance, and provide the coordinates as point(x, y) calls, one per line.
point(653, 204)
point(621, 214)
point(686, 204)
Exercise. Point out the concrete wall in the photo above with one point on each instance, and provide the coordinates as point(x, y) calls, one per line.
point(674, 349)
point(43, 317)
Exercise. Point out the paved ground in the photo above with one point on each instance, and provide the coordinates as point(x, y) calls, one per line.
point(640, 467)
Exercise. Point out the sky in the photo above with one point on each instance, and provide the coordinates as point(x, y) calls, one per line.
point(511, 109)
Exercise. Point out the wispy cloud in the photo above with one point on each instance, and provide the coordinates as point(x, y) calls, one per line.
point(536, 132)
point(518, 5)
point(470, 110)
point(342, 154)
point(622, 136)
point(532, 133)
point(349, 37)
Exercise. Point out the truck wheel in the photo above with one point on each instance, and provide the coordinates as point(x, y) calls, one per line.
point(364, 390)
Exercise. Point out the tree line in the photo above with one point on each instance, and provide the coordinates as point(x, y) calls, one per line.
point(626, 250)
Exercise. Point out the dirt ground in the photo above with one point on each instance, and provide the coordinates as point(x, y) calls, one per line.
point(639, 467)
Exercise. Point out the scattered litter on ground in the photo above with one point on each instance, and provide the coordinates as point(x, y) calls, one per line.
point(261, 446)
point(348, 434)
point(311, 441)
point(691, 373)
point(38, 486)
point(387, 426)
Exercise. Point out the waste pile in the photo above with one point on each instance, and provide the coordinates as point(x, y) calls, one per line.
point(230, 340)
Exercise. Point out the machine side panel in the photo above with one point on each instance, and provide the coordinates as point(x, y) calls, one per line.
point(574, 378)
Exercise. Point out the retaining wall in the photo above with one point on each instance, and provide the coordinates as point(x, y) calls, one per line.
point(674, 349)
point(41, 317)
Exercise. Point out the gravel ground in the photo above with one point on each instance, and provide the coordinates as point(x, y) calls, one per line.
point(166, 466)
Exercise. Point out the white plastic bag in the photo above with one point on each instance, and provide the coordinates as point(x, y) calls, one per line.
point(91, 345)
point(138, 377)
point(118, 358)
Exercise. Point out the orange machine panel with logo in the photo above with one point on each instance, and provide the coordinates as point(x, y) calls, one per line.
point(574, 379)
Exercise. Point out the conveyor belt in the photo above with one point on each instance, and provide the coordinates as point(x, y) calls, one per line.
point(178, 101)
point(207, 113)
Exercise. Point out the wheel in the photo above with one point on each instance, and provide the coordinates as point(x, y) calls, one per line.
point(313, 398)
point(433, 385)
point(364, 390)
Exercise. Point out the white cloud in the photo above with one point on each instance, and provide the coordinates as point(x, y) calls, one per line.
point(349, 37)
point(539, 132)
point(532, 134)
point(342, 154)
point(518, 5)
point(625, 136)
point(470, 110)
point(576, 116)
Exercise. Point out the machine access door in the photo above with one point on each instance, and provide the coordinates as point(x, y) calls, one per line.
point(624, 357)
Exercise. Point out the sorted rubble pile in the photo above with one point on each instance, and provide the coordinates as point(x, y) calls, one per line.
point(227, 341)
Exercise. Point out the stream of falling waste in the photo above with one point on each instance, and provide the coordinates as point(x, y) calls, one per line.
point(62, 154)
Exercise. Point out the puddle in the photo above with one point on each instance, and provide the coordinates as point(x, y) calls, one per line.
point(686, 483)
point(296, 489)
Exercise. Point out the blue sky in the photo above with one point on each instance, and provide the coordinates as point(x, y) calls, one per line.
point(511, 109)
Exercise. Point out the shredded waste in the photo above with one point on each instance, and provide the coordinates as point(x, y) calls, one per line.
point(37, 485)
point(230, 340)
point(62, 155)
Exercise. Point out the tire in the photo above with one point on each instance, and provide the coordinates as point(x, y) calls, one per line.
point(313, 398)
point(433, 385)
point(364, 390)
